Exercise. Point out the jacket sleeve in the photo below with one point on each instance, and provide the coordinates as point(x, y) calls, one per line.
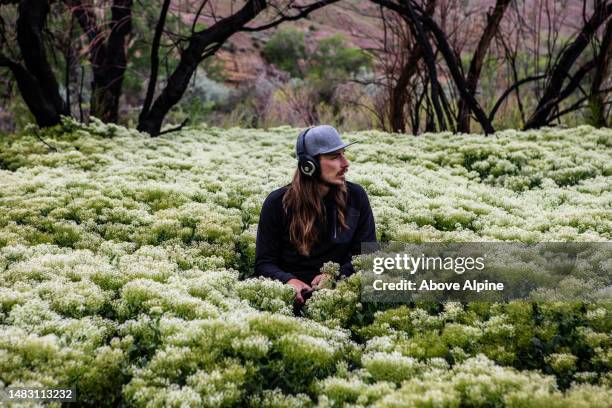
point(365, 232)
point(268, 243)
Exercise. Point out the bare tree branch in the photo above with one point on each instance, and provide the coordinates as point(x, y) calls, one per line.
point(176, 128)
point(509, 90)
point(601, 72)
point(204, 43)
point(475, 69)
point(565, 61)
point(303, 12)
point(159, 28)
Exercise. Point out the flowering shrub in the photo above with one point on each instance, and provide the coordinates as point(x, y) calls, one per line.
point(126, 270)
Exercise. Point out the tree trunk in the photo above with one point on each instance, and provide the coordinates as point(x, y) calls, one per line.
point(399, 94)
point(159, 28)
point(110, 64)
point(493, 21)
point(398, 101)
point(201, 45)
point(42, 109)
point(430, 60)
point(108, 57)
point(596, 98)
point(36, 80)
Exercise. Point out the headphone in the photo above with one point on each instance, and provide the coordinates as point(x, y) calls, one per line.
point(308, 165)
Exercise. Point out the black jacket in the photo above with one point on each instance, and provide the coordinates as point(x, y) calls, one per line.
point(276, 257)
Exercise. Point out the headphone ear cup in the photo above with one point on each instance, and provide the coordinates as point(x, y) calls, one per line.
point(309, 166)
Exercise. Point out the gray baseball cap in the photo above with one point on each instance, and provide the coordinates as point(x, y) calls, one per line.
point(320, 139)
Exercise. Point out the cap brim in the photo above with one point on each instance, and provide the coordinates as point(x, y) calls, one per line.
point(342, 146)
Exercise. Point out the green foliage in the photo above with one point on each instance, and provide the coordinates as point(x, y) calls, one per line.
point(285, 49)
point(278, 299)
point(332, 58)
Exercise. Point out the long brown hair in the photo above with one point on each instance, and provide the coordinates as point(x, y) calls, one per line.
point(303, 199)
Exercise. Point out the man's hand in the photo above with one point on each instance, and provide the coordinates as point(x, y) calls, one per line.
point(299, 286)
point(319, 280)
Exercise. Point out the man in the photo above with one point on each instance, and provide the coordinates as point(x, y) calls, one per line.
point(319, 217)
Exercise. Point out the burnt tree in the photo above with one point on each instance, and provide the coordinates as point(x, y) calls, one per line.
point(399, 95)
point(204, 44)
point(34, 75)
point(414, 12)
point(602, 66)
point(493, 20)
point(201, 45)
point(107, 54)
point(555, 91)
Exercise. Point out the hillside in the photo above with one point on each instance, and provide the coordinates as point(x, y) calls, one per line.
point(359, 22)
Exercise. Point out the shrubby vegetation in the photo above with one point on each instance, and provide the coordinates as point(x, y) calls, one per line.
point(331, 58)
point(123, 262)
point(285, 49)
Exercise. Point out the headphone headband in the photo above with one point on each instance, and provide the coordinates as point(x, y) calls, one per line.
point(303, 150)
point(308, 165)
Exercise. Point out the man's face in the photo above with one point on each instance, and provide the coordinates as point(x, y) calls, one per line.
point(333, 167)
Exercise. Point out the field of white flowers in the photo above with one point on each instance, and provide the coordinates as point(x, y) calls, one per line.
point(125, 267)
